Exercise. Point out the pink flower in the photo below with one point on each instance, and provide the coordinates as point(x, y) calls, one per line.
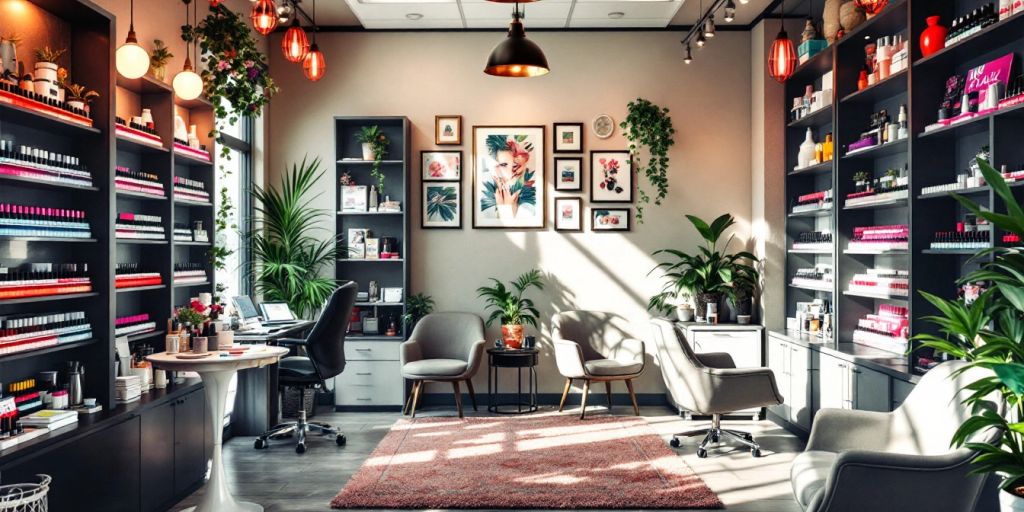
point(223, 64)
point(249, 63)
point(613, 164)
point(436, 170)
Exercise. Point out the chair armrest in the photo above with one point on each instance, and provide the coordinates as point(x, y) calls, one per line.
point(716, 360)
point(837, 430)
point(291, 342)
point(410, 351)
point(569, 359)
point(735, 389)
point(475, 355)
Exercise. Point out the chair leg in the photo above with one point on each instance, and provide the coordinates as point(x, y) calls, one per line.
point(408, 401)
point(415, 397)
point(458, 396)
point(583, 402)
point(632, 396)
point(608, 393)
point(472, 394)
point(565, 394)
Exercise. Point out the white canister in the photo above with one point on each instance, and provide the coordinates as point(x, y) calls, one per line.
point(147, 117)
point(206, 299)
point(171, 343)
point(199, 345)
point(225, 340)
point(159, 379)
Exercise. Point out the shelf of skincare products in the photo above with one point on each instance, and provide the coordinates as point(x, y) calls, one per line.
point(815, 242)
point(20, 221)
point(879, 283)
point(885, 62)
point(972, 234)
point(129, 275)
point(893, 85)
point(818, 278)
point(27, 398)
point(879, 239)
point(140, 130)
point(135, 226)
point(814, 153)
point(888, 329)
point(814, 107)
point(190, 191)
point(39, 165)
point(813, 318)
point(133, 325)
point(972, 98)
point(196, 234)
point(882, 132)
point(190, 273)
point(988, 27)
point(198, 154)
point(15, 99)
point(813, 203)
point(822, 167)
point(29, 332)
point(35, 280)
point(1013, 178)
point(1011, 240)
point(889, 190)
point(137, 183)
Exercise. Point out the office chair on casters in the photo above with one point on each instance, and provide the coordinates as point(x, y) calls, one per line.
point(324, 359)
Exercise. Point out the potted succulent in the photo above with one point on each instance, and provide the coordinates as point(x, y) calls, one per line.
point(709, 275)
point(158, 60)
point(79, 97)
point(510, 307)
point(45, 76)
point(374, 146)
point(986, 334)
point(417, 306)
point(861, 180)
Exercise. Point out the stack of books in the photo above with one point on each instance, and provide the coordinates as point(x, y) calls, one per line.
point(50, 419)
point(128, 388)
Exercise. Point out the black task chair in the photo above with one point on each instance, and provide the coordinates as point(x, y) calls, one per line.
point(324, 359)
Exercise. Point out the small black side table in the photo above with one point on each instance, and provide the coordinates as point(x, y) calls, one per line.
point(518, 359)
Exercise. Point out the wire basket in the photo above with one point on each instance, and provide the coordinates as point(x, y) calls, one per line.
point(25, 497)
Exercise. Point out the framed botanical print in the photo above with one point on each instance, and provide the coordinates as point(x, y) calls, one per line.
point(568, 214)
point(609, 219)
point(508, 177)
point(568, 137)
point(611, 177)
point(441, 165)
point(568, 174)
point(442, 205)
point(447, 130)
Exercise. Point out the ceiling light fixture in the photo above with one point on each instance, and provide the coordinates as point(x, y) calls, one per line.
point(314, 66)
point(295, 44)
point(709, 27)
point(264, 16)
point(782, 56)
point(744, 2)
point(517, 56)
point(689, 57)
point(187, 84)
point(414, 16)
point(285, 13)
point(132, 60)
point(730, 12)
point(616, 15)
point(700, 41)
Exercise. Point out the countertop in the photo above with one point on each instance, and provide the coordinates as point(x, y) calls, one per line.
point(879, 360)
point(704, 326)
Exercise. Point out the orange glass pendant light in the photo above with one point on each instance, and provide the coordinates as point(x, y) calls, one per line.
point(295, 44)
point(782, 55)
point(264, 16)
point(313, 65)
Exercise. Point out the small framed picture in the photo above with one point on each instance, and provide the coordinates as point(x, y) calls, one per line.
point(392, 295)
point(609, 219)
point(372, 248)
point(568, 214)
point(442, 205)
point(568, 174)
point(441, 165)
point(611, 177)
point(353, 198)
point(447, 130)
point(357, 243)
point(568, 138)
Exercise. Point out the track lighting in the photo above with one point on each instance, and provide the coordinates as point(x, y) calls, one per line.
point(730, 12)
point(689, 58)
point(709, 27)
point(700, 41)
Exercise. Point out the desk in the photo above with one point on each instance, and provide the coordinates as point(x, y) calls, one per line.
point(270, 338)
point(256, 404)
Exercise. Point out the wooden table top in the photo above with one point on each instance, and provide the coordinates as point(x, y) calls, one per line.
point(254, 357)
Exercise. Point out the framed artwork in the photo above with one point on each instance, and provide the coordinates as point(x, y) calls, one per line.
point(508, 177)
point(441, 165)
point(447, 130)
point(569, 174)
point(354, 198)
point(567, 138)
point(442, 205)
point(568, 214)
point(609, 219)
point(611, 177)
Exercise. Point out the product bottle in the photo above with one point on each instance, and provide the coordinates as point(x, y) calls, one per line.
point(373, 198)
point(828, 149)
point(806, 156)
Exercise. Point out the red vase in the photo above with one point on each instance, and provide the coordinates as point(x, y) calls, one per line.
point(933, 38)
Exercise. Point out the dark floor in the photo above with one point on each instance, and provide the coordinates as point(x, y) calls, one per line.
point(281, 480)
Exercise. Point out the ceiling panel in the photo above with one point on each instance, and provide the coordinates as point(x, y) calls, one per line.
point(394, 15)
point(546, 14)
point(642, 13)
point(745, 13)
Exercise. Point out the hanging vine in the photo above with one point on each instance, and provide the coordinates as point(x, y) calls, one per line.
point(648, 125)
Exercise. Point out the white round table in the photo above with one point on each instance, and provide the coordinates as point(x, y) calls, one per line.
point(216, 371)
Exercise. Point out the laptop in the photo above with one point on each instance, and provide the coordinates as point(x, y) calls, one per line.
point(277, 314)
point(248, 315)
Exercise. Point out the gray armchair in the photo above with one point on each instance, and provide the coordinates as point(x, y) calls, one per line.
point(710, 384)
point(902, 460)
point(588, 348)
point(444, 347)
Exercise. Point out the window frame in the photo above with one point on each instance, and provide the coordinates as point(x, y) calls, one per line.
point(243, 148)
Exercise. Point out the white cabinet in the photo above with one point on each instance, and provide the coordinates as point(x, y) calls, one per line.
point(791, 364)
point(372, 376)
point(846, 385)
point(900, 391)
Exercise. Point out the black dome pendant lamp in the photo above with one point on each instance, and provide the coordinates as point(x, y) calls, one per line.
point(517, 56)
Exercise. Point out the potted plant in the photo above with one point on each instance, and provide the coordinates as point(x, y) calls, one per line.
point(708, 274)
point(45, 76)
point(986, 334)
point(158, 60)
point(9, 53)
point(684, 310)
point(79, 97)
point(416, 307)
point(510, 307)
point(861, 180)
point(649, 126)
point(375, 146)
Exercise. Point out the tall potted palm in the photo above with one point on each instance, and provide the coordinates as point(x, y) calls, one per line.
point(510, 307)
point(708, 274)
point(291, 250)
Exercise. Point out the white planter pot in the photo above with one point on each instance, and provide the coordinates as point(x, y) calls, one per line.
point(367, 151)
point(46, 71)
point(684, 314)
point(77, 104)
point(1010, 502)
point(45, 88)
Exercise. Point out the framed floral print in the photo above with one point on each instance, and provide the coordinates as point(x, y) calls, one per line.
point(508, 177)
point(609, 219)
point(611, 177)
point(442, 205)
point(568, 137)
point(568, 214)
point(441, 165)
point(568, 174)
point(447, 130)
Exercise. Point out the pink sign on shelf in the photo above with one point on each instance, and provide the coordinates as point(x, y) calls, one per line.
point(979, 78)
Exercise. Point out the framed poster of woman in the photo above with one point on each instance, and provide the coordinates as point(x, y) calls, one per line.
point(508, 177)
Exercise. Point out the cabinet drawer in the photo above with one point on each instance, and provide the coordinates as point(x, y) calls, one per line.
point(369, 383)
point(743, 346)
point(371, 351)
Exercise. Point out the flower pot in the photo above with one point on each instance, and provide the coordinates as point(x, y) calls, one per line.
point(512, 335)
point(45, 88)
point(1009, 502)
point(8, 56)
point(933, 38)
point(79, 104)
point(46, 71)
point(743, 319)
point(703, 299)
point(368, 151)
point(684, 314)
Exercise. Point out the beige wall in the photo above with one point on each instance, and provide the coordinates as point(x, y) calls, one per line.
point(422, 74)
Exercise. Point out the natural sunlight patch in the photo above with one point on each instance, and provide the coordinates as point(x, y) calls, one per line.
point(402, 458)
point(494, 437)
point(474, 451)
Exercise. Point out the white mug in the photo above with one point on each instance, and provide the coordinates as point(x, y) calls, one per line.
point(159, 379)
point(225, 339)
point(171, 344)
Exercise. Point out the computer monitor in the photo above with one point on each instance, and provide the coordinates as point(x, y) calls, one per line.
point(276, 312)
point(247, 311)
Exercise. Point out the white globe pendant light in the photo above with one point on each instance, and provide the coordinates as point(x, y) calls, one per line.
point(132, 60)
point(187, 84)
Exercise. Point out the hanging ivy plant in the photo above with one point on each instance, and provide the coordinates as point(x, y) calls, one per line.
point(234, 70)
point(649, 126)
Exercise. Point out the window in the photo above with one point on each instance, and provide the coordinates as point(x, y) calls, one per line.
point(234, 177)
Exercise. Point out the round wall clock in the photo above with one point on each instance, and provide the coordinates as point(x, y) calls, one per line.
point(604, 126)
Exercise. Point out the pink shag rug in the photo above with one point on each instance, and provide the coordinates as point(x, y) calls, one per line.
point(550, 462)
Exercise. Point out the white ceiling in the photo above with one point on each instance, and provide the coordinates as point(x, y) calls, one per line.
point(481, 14)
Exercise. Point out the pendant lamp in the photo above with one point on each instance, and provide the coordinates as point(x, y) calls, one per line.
point(264, 16)
point(285, 13)
point(689, 57)
point(730, 12)
point(187, 84)
point(782, 55)
point(295, 44)
point(517, 56)
point(132, 60)
point(313, 65)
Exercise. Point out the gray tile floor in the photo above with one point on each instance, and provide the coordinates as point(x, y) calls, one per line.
point(281, 480)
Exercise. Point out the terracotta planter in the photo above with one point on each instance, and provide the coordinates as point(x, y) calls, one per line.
point(933, 38)
point(512, 335)
point(367, 151)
